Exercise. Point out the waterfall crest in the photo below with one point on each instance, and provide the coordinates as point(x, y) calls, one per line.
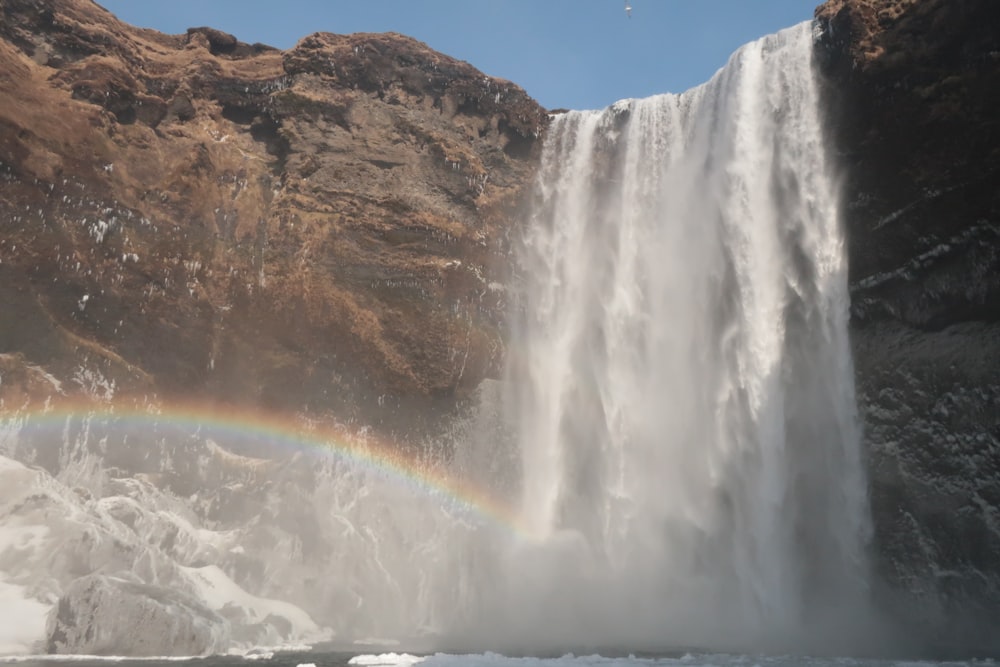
point(680, 377)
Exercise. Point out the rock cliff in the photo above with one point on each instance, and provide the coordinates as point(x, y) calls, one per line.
point(914, 88)
point(321, 228)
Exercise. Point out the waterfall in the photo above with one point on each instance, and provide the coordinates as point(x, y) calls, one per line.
point(680, 374)
point(672, 460)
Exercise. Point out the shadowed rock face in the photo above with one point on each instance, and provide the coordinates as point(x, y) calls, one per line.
point(915, 88)
point(100, 615)
point(191, 215)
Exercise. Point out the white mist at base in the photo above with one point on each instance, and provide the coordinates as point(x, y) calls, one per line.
point(681, 380)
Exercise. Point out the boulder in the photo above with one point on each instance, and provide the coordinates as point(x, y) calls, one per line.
point(102, 615)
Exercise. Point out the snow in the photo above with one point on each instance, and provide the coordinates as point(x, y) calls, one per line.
point(21, 537)
point(39, 372)
point(22, 620)
point(267, 652)
point(258, 655)
point(218, 591)
point(135, 531)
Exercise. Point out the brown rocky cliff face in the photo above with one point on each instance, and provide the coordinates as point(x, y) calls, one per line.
point(191, 215)
point(914, 88)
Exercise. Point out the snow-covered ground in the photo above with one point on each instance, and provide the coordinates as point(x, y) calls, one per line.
point(22, 619)
point(65, 553)
point(150, 539)
point(218, 591)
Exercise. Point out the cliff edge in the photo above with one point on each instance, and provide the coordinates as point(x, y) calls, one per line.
point(189, 215)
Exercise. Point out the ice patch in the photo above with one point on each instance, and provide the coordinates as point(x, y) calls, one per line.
point(393, 659)
point(258, 655)
point(267, 652)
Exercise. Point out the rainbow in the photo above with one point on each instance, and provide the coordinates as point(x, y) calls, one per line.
point(377, 455)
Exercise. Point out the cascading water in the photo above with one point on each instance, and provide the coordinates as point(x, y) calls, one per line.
point(681, 380)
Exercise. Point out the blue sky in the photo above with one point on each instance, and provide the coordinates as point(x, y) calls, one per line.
point(579, 54)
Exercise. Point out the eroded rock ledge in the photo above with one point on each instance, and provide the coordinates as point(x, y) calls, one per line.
point(188, 214)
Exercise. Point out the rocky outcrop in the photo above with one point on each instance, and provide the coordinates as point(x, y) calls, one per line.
point(100, 615)
point(318, 229)
point(118, 565)
point(914, 88)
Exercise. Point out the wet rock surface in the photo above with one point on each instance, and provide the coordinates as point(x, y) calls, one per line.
point(914, 88)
